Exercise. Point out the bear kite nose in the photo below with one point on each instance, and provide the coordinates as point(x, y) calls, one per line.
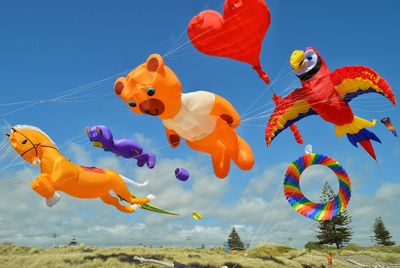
point(152, 107)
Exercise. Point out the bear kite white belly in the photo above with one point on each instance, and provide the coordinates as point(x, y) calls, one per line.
point(193, 121)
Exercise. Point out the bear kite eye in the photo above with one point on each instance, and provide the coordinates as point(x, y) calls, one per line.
point(132, 103)
point(24, 141)
point(151, 91)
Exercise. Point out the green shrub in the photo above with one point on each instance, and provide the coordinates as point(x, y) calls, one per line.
point(312, 245)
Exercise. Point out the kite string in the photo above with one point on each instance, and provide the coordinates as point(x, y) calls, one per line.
point(288, 212)
point(263, 220)
point(205, 32)
point(262, 93)
point(272, 206)
point(182, 34)
point(60, 96)
point(220, 127)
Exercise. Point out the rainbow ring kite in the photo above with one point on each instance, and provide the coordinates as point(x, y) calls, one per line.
point(301, 204)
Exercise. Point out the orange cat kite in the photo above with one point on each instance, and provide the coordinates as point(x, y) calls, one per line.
point(59, 174)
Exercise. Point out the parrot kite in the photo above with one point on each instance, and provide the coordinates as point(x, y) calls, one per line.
point(328, 94)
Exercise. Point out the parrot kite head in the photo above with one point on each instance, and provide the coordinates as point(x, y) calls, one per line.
point(306, 64)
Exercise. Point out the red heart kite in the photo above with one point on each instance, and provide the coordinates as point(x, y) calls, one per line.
point(237, 34)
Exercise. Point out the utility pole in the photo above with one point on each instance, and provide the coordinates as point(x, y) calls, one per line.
point(189, 241)
point(290, 241)
point(54, 236)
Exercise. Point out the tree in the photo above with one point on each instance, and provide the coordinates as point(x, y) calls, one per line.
point(234, 241)
point(336, 231)
point(381, 234)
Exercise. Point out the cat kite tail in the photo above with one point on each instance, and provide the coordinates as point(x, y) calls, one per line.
point(236, 34)
point(328, 95)
point(58, 174)
point(386, 121)
point(205, 120)
point(101, 137)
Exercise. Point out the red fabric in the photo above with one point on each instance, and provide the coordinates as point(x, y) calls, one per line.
point(297, 135)
point(237, 34)
point(296, 132)
point(366, 144)
point(93, 169)
point(322, 97)
point(354, 72)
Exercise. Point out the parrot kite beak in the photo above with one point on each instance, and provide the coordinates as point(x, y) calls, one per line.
point(297, 60)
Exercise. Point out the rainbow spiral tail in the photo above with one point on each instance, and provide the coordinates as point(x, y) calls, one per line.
point(364, 137)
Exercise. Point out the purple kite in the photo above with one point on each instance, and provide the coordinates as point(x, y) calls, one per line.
point(102, 137)
point(181, 174)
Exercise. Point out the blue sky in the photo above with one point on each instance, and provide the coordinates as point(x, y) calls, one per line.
point(50, 47)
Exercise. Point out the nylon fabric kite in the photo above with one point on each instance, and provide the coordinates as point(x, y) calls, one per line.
point(307, 208)
point(205, 120)
point(57, 173)
point(388, 123)
point(101, 137)
point(328, 94)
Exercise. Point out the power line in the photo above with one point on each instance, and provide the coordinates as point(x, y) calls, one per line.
point(54, 236)
point(189, 241)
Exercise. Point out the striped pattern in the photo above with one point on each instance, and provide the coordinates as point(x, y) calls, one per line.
point(386, 121)
point(290, 109)
point(301, 204)
point(353, 81)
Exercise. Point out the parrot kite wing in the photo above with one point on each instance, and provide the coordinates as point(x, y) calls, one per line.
point(290, 110)
point(353, 81)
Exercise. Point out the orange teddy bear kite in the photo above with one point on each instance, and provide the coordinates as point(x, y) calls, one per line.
point(205, 120)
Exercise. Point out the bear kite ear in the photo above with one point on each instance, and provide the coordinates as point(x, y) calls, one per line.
point(98, 130)
point(119, 85)
point(87, 131)
point(155, 63)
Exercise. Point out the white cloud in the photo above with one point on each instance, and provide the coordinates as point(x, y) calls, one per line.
point(262, 183)
point(261, 204)
point(110, 162)
point(144, 141)
point(79, 154)
point(388, 192)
